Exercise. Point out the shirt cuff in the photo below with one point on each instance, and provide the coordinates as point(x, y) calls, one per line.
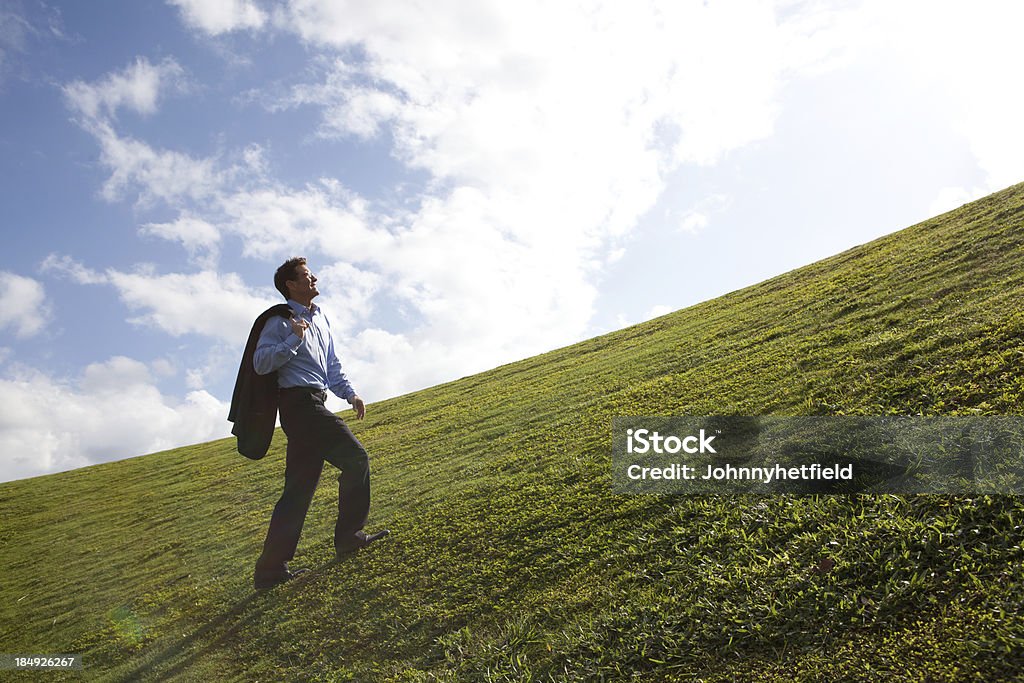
point(293, 341)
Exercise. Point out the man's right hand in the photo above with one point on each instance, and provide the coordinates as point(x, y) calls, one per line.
point(298, 326)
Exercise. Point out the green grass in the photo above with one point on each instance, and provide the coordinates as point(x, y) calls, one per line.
point(510, 558)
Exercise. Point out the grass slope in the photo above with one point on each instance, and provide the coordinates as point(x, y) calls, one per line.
point(510, 559)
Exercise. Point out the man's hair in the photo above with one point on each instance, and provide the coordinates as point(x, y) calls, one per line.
point(286, 272)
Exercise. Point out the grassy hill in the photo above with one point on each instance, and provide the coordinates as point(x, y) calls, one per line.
point(511, 560)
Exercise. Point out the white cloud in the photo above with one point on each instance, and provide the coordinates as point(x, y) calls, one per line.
point(615, 255)
point(466, 86)
point(219, 365)
point(622, 320)
point(697, 218)
point(657, 311)
point(137, 87)
point(278, 222)
point(950, 198)
point(348, 107)
point(967, 74)
point(23, 305)
point(155, 174)
point(221, 16)
point(164, 367)
point(199, 237)
point(69, 267)
point(195, 378)
point(379, 363)
point(351, 291)
point(971, 71)
point(110, 376)
point(207, 303)
point(694, 222)
point(819, 37)
point(111, 411)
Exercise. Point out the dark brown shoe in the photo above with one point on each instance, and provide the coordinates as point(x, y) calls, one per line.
point(359, 540)
point(262, 580)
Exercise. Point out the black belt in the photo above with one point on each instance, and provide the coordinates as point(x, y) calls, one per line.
point(303, 389)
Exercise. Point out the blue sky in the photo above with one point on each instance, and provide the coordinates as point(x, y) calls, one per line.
point(473, 184)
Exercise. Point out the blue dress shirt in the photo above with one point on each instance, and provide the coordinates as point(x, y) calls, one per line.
point(306, 362)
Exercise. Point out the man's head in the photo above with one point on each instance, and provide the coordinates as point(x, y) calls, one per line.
point(295, 281)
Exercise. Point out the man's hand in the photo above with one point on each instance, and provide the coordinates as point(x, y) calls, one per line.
point(298, 326)
point(359, 407)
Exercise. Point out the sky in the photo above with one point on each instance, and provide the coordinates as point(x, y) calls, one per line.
point(473, 183)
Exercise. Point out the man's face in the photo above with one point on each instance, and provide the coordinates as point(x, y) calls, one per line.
point(304, 284)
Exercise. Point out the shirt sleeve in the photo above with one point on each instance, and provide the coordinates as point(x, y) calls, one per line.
point(336, 379)
point(277, 345)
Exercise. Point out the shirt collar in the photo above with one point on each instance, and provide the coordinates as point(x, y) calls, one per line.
point(299, 308)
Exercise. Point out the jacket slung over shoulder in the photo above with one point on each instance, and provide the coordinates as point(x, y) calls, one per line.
point(254, 400)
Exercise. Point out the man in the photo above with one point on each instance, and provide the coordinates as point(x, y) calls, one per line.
point(300, 349)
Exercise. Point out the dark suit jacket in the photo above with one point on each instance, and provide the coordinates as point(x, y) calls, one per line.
point(254, 401)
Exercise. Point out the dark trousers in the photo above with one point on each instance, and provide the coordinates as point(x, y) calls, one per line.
point(315, 435)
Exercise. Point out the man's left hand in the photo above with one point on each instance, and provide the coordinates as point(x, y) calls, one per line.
point(359, 407)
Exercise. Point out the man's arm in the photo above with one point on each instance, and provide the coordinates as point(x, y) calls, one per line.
point(279, 342)
point(337, 381)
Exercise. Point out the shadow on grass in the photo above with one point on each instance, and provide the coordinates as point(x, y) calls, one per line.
point(172, 660)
